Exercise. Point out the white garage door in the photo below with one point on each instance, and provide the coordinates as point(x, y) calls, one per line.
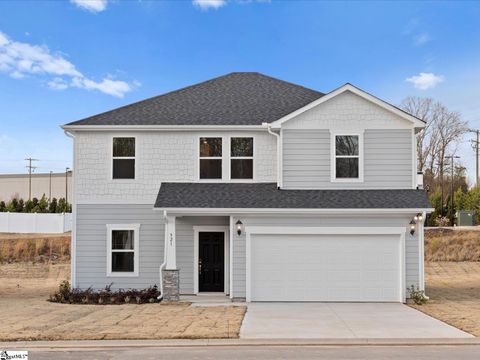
point(325, 268)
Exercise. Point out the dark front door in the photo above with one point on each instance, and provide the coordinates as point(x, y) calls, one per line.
point(211, 261)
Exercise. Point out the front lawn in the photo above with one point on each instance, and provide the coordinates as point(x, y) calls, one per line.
point(26, 315)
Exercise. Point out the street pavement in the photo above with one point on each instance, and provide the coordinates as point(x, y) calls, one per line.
point(442, 352)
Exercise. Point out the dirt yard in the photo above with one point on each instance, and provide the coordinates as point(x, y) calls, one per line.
point(26, 315)
point(454, 291)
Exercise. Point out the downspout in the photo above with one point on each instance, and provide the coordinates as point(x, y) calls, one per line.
point(162, 266)
point(279, 170)
point(73, 244)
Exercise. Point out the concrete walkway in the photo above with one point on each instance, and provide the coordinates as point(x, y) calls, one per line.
point(342, 320)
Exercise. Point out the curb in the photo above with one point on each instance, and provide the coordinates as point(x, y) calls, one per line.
point(124, 344)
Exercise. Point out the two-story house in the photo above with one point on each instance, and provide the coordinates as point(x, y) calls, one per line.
point(253, 187)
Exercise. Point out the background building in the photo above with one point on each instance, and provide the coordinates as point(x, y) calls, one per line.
point(52, 185)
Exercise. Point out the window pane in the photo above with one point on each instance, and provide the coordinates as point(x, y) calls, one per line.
point(210, 169)
point(241, 147)
point(122, 261)
point(122, 239)
point(241, 168)
point(346, 145)
point(124, 168)
point(123, 147)
point(210, 147)
point(346, 168)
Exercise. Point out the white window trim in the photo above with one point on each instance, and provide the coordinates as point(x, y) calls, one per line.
point(226, 152)
point(230, 158)
point(123, 157)
point(333, 157)
point(221, 158)
point(226, 249)
point(136, 249)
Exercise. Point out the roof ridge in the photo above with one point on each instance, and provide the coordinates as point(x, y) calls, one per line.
point(289, 83)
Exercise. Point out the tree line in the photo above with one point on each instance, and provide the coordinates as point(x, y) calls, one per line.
point(437, 146)
point(42, 205)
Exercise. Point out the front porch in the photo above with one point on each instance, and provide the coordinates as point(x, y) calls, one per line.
point(197, 260)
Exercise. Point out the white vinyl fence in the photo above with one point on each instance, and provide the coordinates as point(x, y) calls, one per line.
point(35, 223)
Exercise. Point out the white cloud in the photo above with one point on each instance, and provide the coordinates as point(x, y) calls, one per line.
point(421, 39)
point(108, 86)
point(424, 81)
point(209, 4)
point(91, 5)
point(57, 84)
point(19, 59)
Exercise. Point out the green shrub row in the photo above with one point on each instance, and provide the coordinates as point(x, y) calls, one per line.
point(36, 206)
point(67, 295)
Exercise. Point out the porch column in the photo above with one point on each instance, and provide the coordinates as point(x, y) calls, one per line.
point(170, 275)
point(171, 244)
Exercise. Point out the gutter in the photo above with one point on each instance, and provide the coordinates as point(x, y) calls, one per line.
point(279, 148)
point(297, 211)
point(73, 244)
point(162, 127)
point(162, 266)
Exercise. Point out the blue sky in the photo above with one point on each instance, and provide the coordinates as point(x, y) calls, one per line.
point(64, 60)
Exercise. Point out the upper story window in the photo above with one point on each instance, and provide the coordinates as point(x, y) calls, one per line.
point(347, 157)
point(210, 158)
point(241, 158)
point(123, 242)
point(123, 156)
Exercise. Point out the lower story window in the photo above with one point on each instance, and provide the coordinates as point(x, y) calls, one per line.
point(122, 248)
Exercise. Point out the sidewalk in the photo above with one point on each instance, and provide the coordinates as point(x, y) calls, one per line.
point(128, 344)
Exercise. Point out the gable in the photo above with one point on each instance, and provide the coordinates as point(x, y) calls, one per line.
point(347, 111)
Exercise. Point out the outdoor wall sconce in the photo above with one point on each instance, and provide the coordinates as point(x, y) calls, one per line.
point(418, 217)
point(239, 225)
point(412, 227)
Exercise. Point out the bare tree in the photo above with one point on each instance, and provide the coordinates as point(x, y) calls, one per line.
point(443, 131)
point(422, 109)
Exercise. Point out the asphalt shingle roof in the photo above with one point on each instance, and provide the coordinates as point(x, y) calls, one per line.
point(241, 98)
point(266, 196)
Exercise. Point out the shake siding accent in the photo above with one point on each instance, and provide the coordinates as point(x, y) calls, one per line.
point(239, 248)
point(92, 245)
point(387, 160)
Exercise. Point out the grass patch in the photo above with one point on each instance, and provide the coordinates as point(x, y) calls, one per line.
point(42, 248)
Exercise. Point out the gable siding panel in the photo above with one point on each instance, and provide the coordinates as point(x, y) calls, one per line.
point(387, 160)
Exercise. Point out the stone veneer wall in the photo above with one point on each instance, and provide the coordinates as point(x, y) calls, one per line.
point(171, 285)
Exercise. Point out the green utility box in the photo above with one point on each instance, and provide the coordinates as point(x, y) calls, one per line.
point(465, 218)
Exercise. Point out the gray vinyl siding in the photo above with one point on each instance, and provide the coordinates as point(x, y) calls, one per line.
point(387, 160)
point(184, 237)
point(91, 244)
point(239, 242)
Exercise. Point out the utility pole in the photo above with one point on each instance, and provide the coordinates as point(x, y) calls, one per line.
point(50, 187)
point(476, 146)
point(30, 168)
point(452, 217)
point(66, 185)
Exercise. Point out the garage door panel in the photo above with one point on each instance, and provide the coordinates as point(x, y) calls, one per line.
point(325, 268)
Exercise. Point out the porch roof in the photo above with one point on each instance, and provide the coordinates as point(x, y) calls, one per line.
point(267, 196)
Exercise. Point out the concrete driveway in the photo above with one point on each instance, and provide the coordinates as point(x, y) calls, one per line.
point(342, 320)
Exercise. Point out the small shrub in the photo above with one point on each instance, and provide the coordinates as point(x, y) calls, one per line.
point(442, 221)
point(418, 296)
point(66, 295)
